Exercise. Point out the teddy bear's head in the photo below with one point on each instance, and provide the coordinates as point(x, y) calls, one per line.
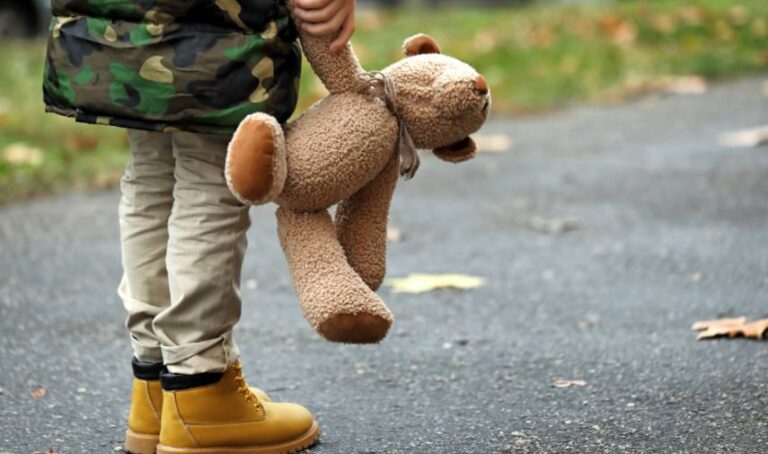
point(441, 99)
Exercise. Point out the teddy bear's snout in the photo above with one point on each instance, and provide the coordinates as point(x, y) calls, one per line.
point(481, 85)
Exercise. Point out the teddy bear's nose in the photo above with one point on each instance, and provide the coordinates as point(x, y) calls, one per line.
point(481, 85)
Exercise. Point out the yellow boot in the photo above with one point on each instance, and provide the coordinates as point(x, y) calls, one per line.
point(143, 432)
point(146, 405)
point(215, 413)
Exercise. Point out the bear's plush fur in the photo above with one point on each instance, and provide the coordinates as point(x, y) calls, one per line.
point(347, 150)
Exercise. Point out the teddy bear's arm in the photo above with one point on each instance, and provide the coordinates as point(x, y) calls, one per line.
point(361, 226)
point(339, 72)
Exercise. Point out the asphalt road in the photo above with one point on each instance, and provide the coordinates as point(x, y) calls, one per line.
point(672, 230)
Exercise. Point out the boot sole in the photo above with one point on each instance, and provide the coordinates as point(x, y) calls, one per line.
point(289, 447)
point(138, 443)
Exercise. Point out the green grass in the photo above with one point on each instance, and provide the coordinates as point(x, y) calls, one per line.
point(535, 59)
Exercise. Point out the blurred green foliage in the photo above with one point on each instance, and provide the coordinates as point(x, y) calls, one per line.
point(535, 58)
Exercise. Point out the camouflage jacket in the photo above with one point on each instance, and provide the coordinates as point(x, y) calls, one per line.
point(166, 65)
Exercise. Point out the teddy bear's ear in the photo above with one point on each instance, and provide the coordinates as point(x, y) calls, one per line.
point(460, 151)
point(420, 44)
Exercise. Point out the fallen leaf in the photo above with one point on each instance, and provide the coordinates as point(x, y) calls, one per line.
point(493, 143)
point(80, 142)
point(559, 383)
point(420, 283)
point(619, 30)
point(21, 153)
point(554, 225)
point(394, 235)
point(745, 138)
point(39, 392)
point(684, 85)
point(733, 321)
point(756, 329)
point(731, 327)
point(589, 323)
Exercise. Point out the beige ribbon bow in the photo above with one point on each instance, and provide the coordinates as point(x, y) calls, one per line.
point(382, 87)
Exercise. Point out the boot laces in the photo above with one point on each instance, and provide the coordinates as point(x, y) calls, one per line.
point(242, 388)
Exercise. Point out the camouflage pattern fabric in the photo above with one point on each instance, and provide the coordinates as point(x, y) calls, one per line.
point(169, 65)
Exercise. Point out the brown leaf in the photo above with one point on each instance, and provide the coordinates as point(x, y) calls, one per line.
point(21, 153)
point(683, 85)
point(39, 392)
point(80, 142)
point(734, 321)
point(619, 30)
point(755, 330)
point(420, 283)
point(554, 225)
point(394, 235)
point(493, 143)
point(560, 383)
point(731, 327)
point(745, 138)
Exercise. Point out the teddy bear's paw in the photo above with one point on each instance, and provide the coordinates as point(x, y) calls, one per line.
point(256, 168)
point(362, 328)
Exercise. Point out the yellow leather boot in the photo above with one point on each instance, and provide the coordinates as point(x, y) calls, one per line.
point(218, 413)
point(144, 417)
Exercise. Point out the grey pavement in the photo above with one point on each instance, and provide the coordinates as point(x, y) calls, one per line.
point(672, 230)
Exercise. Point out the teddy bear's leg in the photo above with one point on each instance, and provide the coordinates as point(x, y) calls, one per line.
point(256, 168)
point(335, 301)
point(361, 226)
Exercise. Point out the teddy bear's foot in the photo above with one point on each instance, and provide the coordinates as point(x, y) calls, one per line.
point(256, 168)
point(355, 329)
point(333, 297)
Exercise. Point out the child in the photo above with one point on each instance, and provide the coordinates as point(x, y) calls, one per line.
point(180, 75)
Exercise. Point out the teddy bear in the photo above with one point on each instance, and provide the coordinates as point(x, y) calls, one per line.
point(347, 150)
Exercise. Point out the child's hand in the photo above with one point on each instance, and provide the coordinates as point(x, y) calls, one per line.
point(325, 17)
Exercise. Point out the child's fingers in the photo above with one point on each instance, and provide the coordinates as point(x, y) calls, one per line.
point(346, 32)
point(326, 28)
point(311, 4)
point(319, 15)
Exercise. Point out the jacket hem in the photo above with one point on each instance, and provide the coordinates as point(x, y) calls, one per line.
point(132, 123)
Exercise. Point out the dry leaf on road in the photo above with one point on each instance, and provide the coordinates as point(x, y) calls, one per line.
point(80, 142)
point(21, 153)
point(493, 143)
point(731, 327)
point(684, 85)
point(421, 283)
point(39, 392)
point(554, 225)
point(559, 383)
point(394, 235)
point(745, 138)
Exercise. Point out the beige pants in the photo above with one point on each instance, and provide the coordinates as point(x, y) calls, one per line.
point(183, 241)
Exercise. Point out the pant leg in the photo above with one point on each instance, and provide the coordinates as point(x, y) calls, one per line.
point(145, 206)
point(207, 242)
